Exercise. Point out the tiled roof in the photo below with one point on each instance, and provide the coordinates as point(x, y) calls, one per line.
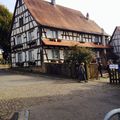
point(118, 27)
point(57, 16)
point(73, 43)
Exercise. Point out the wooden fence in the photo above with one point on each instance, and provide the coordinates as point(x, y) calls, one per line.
point(114, 76)
point(93, 71)
point(72, 70)
point(4, 64)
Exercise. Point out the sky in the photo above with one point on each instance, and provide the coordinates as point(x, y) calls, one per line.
point(104, 12)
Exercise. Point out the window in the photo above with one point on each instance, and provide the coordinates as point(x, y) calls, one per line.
point(60, 34)
point(31, 55)
point(51, 34)
point(19, 57)
point(55, 53)
point(31, 35)
point(21, 21)
point(20, 2)
point(43, 33)
point(90, 38)
point(96, 39)
point(100, 39)
point(54, 34)
point(83, 38)
point(13, 41)
point(19, 40)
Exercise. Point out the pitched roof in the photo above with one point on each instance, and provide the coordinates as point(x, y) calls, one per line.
point(73, 43)
point(61, 17)
point(117, 28)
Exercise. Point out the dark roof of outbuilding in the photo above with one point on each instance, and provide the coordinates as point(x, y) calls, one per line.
point(61, 17)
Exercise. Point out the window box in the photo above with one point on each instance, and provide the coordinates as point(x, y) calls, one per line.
point(82, 41)
point(96, 42)
point(53, 61)
point(59, 40)
point(51, 39)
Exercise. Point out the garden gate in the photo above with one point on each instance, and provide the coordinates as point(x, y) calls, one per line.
point(114, 74)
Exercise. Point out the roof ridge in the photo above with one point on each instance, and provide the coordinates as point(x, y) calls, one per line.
point(61, 17)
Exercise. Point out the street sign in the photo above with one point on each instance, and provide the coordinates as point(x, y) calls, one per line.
point(113, 66)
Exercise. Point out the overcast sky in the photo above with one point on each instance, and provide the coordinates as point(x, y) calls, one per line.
point(104, 12)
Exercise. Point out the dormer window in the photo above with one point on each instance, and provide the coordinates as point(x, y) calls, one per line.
point(21, 21)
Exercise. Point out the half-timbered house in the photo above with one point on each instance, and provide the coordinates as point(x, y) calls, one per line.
point(115, 43)
point(43, 31)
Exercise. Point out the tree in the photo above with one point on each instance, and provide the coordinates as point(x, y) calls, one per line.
point(75, 56)
point(79, 54)
point(5, 23)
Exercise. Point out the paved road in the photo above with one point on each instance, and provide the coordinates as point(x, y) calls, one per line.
point(52, 98)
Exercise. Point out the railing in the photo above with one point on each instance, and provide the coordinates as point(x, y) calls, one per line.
point(114, 75)
point(113, 114)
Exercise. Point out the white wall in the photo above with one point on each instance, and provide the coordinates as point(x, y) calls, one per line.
point(23, 31)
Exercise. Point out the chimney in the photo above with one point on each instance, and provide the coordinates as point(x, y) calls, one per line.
point(87, 16)
point(53, 2)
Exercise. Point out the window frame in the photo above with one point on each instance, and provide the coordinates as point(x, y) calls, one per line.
point(31, 35)
point(31, 55)
point(20, 58)
point(21, 22)
point(55, 54)
point(19, 39)
point(20, 2)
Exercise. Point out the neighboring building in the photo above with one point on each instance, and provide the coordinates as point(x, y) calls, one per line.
point(43, 31)
point(115, 41)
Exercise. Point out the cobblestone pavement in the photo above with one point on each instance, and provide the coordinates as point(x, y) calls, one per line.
point(61, 99)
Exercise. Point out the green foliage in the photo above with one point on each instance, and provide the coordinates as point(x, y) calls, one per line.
point(5, 22)
point(78, 54)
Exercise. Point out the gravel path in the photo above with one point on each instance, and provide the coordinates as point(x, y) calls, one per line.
point(19, 92)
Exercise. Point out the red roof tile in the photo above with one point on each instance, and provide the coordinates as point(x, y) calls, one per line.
point(61, 17)
point(73, 43)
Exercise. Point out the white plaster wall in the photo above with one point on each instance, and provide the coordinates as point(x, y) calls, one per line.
point(35, 54)
point(23, 56)
point(61, 54)
point(103, 40)
point(16, 56)
point(27, 57)
point(39, 63)
point(21, 30)
point(49, 53)
point(98, 54)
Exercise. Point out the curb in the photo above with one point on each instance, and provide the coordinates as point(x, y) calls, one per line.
point(23, 115)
